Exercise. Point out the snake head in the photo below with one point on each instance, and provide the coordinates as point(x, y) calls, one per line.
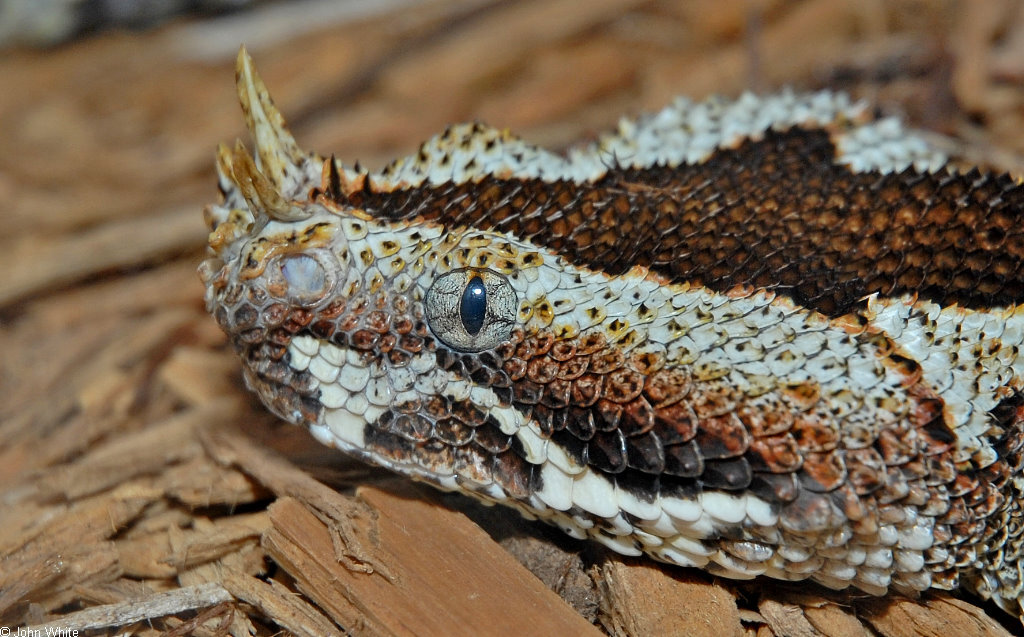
point(368, 330)
point(270, 261)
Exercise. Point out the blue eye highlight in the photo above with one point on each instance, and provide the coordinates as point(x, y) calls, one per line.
point(473, 306)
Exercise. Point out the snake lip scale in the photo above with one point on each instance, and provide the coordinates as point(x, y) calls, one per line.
point(773, 336)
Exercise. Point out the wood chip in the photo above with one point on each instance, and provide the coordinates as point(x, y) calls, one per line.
point(117, 244)
point(198, 375)
point(445, 574)
point(273, 599)
point(129, 612)
point(644, 599)
point(833, 619)
point(935, 616)
point(165, 554)
point(786, 619)
point(126, 457)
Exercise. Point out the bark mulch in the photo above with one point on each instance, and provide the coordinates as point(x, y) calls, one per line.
point(143, 491)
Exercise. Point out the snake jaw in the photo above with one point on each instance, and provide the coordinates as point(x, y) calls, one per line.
point(861, 436)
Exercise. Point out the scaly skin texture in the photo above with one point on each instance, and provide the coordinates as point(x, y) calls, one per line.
point(763, 337)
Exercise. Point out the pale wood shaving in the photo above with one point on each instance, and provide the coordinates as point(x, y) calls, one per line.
point(129, 612)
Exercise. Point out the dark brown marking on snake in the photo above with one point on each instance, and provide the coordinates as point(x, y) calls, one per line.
point(777, 213)
point(667, 431)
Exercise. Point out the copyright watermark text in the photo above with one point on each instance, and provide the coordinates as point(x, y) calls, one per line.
point(48, 631)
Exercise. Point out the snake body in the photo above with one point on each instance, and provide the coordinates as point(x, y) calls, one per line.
point(770, 336)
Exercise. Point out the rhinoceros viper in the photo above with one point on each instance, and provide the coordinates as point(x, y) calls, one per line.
point(769, 336)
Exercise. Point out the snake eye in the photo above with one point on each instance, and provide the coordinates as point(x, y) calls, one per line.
point(471, 310)
point(303, 278)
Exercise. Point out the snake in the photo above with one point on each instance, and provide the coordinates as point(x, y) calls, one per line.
point(772, 336)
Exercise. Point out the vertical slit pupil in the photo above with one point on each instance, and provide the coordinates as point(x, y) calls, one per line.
point(473, 306)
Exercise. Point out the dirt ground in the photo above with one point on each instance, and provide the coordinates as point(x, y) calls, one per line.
point(144, 491)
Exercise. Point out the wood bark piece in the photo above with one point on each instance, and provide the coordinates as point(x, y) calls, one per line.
point(932, 616)
point(202, 483)
point(129, 456)
point(105, 166)
point(93, 519)
point(782, 49)
point(198, 375)
point(274, 600)
point(45, 580)
point(165, 554)
point(977, 25)
point(238, 624)
point(832, 619)
point(131, 611)
point(53, 426)
point(787, 619)
point(489, 45)
point(559, 84)
point(445, 575)
point(114, 245)
point(229, 446)
point(830, 613)
point(644, 599)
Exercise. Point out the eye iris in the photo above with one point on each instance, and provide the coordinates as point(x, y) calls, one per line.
point(471, 309)
point(473, 306)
